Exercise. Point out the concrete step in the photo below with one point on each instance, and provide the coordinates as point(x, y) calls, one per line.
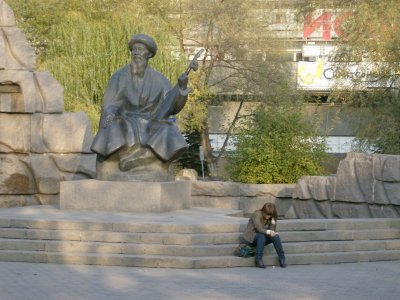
point(343, 257)
point(154, 227)
point(340, 246)
point(192, 238)
point(190, 250)
point(216, 202)
point(156, 261)
point(117, 248)
point(340, 235)
point(121, 237)
point(236, 224)
point(189, 239)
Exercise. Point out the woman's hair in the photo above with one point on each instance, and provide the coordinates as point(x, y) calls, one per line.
point(270, 210)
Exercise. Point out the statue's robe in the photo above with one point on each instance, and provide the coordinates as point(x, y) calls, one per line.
point(141, 109)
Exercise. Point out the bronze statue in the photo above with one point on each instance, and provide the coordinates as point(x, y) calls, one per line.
point(135, 138)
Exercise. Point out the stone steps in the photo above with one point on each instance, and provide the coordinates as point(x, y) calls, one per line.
point(196, 245)
point(155, 261)
point(166, 238)
point(189, 250)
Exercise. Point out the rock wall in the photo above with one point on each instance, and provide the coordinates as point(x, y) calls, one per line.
point(365, 186)
point(40, 144)
point(245, 197)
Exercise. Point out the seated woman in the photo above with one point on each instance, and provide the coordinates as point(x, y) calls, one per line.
point(260, 231)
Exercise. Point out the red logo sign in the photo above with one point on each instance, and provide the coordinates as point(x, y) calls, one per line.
point(327, 21)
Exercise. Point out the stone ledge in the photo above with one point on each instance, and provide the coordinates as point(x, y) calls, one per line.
point(124, 196)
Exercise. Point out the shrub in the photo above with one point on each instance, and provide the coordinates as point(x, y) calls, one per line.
point(277, 146)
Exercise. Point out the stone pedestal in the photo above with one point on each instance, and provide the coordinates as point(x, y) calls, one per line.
point(125, 196)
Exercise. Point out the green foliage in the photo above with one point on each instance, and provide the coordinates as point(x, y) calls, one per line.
point(194, 115)
point(191, 158)
point(276, 146)
point(83, 42)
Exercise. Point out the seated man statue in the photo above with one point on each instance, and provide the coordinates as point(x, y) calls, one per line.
point(135, 140)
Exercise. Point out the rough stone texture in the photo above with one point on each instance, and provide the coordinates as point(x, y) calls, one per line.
point(15, 175)
point(283, 206)
point(277, 190)
point(392, 190)
point(355, 178)
point(26, 100)
point(381, 211)
point(18, 200)
point(49, 199)
point(186, 174)
point(46, 174)
point(325, 208)
point(40, 145)
point(217, 202)
point(61, 133)
point(49, 94)
point(15, 133)
point(156, 170)
point(350, 210)
point(251, 204)
point(6, 15)
point(246, 197)
point(366, 185)
point(75, 166)
point(387, 168)
point(254, 196)
point(315, 187)
point(215, 188)
point(18, 55)
point(306, 209)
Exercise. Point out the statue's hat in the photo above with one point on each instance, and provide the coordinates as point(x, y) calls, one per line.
point(144, 39)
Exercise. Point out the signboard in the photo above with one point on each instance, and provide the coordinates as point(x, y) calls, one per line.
point(323, 76)
point(311, 75)
point(325, 25)
point(201, 150)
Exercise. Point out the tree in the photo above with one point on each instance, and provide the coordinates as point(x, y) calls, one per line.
point(277, 147)
point(241, 57)
point(369, 43)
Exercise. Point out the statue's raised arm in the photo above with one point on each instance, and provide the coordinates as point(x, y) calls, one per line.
point(173, 103)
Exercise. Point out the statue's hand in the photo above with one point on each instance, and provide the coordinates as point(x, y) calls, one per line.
point(194, 64)
point(183, 81)
point(107, 119)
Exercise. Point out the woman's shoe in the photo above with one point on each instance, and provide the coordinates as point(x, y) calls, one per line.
point(260, 263)
point(282, 263)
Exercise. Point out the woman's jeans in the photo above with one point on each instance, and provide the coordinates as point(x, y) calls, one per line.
point(262, 239)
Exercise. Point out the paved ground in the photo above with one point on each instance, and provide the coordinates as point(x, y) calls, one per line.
point(363, 281)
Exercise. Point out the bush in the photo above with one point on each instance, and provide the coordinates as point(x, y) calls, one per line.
point(277, 146)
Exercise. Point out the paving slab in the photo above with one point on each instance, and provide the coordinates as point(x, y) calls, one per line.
point(359, 281)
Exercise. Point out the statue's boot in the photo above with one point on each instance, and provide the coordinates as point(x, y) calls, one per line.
point(135, 159)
